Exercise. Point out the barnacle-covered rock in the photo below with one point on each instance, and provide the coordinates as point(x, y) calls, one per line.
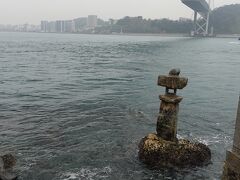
point(157, 152)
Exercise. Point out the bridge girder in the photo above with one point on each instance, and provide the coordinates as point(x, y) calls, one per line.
point(200, 6)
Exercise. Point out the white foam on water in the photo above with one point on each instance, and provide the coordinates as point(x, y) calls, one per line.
point(208, 140)
point(88, 174)
point(234, 42)
point(70, 176)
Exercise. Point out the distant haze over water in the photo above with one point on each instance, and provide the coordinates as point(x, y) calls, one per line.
point(29, 11)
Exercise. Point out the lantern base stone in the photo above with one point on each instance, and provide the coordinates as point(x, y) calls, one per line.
point(158, 153)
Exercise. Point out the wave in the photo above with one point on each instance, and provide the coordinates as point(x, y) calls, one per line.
point(88, 174)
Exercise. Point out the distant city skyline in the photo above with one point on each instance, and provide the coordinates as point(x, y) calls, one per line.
point(33, 11)
point(82, 24)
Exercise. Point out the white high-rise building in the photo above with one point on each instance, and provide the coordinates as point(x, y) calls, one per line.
point(52, 26)
point(92, 21)
point(60, 26)
point(69, 26)
point(44, 26)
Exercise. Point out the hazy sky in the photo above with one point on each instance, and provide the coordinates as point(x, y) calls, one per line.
point(33, 11)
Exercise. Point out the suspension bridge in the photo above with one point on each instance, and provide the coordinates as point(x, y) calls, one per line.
point(202, 10)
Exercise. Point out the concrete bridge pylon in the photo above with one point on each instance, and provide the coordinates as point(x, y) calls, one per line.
point(202, 10)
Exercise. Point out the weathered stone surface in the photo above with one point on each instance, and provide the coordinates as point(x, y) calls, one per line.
point(236, 141)
point(157, 152)
point(234, 161)
point(172, 82)
point(174, 72)
point(232, 164)
point(231, 167)
point(171, 98)
point(229, 174)
point(167, 121)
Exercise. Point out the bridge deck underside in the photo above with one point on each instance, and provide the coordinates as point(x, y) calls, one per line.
point(197, 5)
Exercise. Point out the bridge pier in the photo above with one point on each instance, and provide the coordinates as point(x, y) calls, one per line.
point(195, 21)
point(201, 8)
point(207, 24)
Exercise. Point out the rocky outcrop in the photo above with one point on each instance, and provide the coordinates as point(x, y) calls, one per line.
point(157, 152)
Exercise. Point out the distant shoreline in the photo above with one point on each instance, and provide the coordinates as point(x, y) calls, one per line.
point(228, 35)
point(153, 34)
point(118, 34)
point(135, 34)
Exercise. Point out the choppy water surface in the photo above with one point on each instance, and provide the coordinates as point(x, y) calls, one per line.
point(76, 106)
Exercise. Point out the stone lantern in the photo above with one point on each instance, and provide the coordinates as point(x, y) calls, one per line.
point(167, 119)
point(164, 149)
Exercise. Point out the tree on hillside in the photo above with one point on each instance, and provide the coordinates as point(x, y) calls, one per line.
point(226, 19)
point(140, 25)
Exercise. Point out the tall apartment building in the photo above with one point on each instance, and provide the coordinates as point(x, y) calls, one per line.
point(52, 26)
point(44, 26)
point(69, 26)
point(48, 26)
point(60, 26)
point(92, 21)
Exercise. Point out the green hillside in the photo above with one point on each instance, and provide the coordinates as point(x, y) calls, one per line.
point(226, 19)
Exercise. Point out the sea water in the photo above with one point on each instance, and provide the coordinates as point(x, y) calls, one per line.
point(76, 106)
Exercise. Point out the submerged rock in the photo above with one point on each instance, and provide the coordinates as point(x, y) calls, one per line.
point(157, 152)
point(8, 176)
point(7, 162)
